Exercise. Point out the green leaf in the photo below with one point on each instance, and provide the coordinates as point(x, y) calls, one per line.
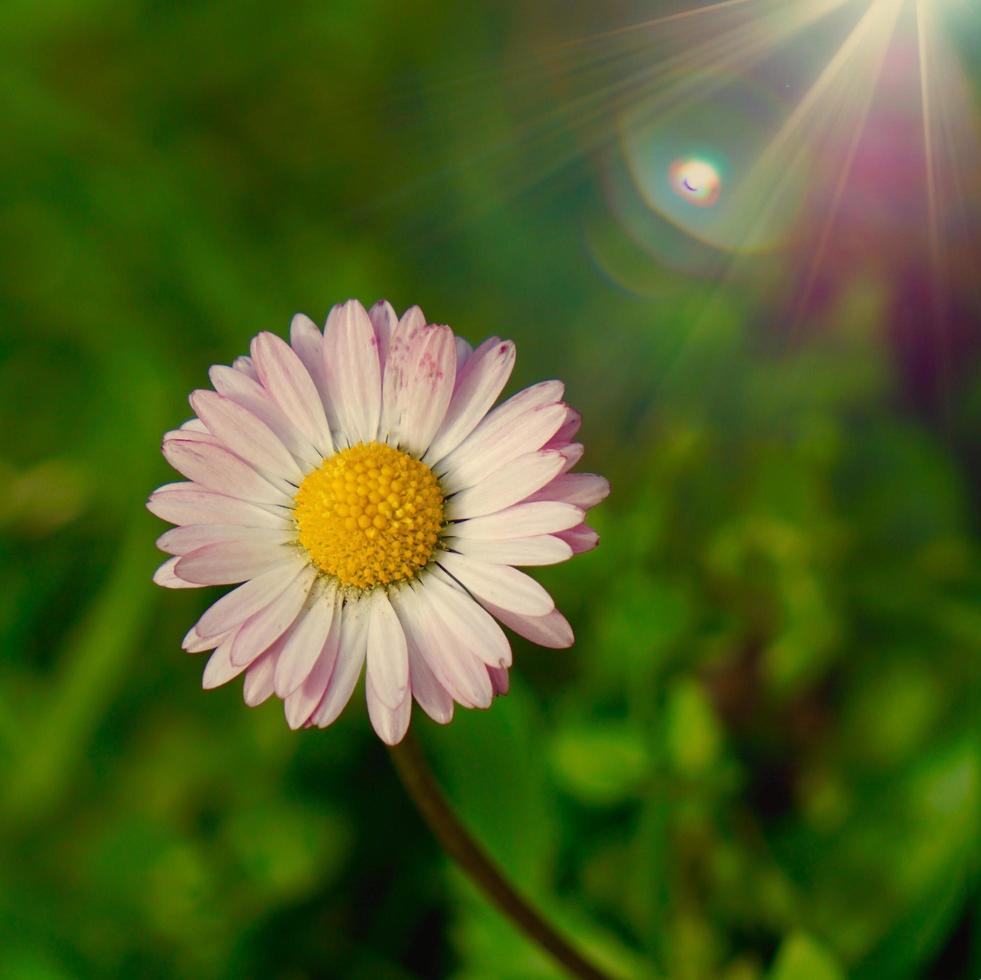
point(801, 957)
point(601, 765)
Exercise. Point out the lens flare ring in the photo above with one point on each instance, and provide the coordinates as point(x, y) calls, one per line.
point(696, 180)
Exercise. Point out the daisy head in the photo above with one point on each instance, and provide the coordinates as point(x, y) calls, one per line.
point(374, 506)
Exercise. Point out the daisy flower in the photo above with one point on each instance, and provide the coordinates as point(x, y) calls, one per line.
point(373, 504)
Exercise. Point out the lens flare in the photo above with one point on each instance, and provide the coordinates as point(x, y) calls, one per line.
point(697, 181)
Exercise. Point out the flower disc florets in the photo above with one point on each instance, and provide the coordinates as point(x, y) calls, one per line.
point(370, 515)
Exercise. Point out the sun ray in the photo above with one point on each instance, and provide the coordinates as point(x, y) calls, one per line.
point(866, 94)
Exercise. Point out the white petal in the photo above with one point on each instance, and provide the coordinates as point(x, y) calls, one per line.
point(187, 503)
point(404, 340)
point(387, 670)
point(229, 562)
point(478, 384)
point(384, 320)
point(521, 425)
point(283, 375)
point(504, 586)
point(347, 669)
point(219, 470)
point(509, 485)
point(565, 432)
point(419, 379)
point(247, 436)
point(463, 351)
point(353, 372)
point(391, 724)
point(584, 490)
point(248, 393)
point(573, 453)
point(541, 550)
point(307, 340)
point(194, 642)
point(187, 433)
point(258, 686)
point(306, 641)
point(245, 366)
point(551, 630)
point(301, 704)
point(473, 462)
point(458, 670)
point(190, 537)
point(219, 668)
point(500, 680)
point(581, 538)
point(265, 627)
point(235, 607)
point(476, 630)
point(167, 577)
point(520, 521)
point(432, 697)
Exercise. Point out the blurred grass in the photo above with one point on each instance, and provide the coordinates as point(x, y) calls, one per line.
point(760, 759)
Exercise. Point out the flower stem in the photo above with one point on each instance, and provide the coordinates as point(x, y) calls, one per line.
point(421, 785)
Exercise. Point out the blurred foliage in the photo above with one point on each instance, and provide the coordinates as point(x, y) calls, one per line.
point(759, 762)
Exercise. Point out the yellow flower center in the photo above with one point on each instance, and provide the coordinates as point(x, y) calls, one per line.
point(370, 515)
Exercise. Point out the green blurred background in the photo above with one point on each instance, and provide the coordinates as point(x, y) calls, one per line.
point(759, 760)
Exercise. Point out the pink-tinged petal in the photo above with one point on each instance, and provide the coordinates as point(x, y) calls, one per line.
point(347, 669)
point(500, 680)
point(194, 642)
point(390, 724)
point(383, 320)
point(551, 630)
point(512, 483)
point(487, 451)
point(520, 521)
point(245, 366)
point(190, 537)
point(258, 686)
point(219, 668)
point(353, 372)
point(285, 378)
point(229, 562)
point(504, 586)
point(265, 627)
point(235, 607)
point(167, 577)
point(573, 453)
point(478, 384)
point(307, 340)
point(302, 703)
point(429, 380)
point(187, 503)
point(458, 670)
point(247, 436)
point(404, 345)
point(190, 434)
point(583, 490)
point(580, 539)
point(503, 419)
point(388, 659)
point(194, 425)
point(463, 352)
point(544, 549)
point(248, 393)
point(307, 641)
point(573, 420)
point(466, 619)
point(431, 696)
point(221, 471)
